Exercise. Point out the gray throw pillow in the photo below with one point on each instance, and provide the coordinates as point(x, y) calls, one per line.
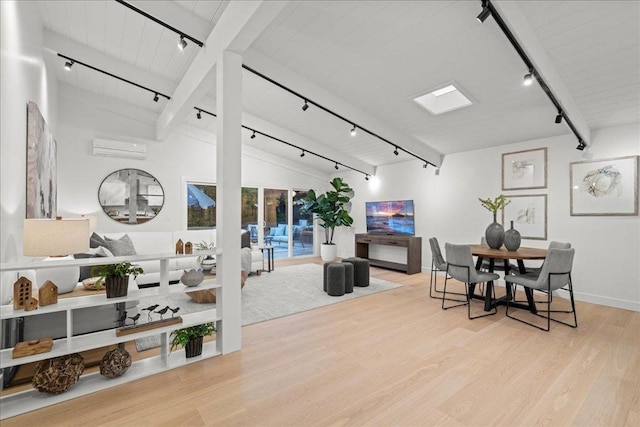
point(95, 241)
point(120, 247)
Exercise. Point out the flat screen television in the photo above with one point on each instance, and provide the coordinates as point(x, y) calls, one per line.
point(390, 217)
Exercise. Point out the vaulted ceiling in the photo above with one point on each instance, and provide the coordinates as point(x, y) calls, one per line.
point(367, 61)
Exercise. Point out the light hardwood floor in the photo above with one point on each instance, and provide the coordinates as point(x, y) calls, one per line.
point(390, 359)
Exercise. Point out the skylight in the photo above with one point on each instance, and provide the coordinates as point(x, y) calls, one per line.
point(442, 100)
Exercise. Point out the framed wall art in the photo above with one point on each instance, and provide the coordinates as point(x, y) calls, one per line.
point(523, 170)
point(604, 187)
point(529, 215)
point(42, 193)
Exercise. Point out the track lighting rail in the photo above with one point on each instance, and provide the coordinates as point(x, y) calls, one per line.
point(75, 61)
point(325, 109)
point(532, 70)
point(303, 150)
point(164, 24)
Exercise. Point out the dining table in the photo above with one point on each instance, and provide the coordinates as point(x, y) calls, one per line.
point(483, 252)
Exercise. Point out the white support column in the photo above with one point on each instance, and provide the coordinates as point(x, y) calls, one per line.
point(228, 176)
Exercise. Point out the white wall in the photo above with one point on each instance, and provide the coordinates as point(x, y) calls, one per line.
point(606, 267)
point(24, 77)
point(172, 161)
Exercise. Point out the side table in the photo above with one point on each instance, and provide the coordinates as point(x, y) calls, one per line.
point(270, 261)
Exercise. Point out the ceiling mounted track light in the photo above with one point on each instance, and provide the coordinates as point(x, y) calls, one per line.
point(253, 135)
point(559, 117)
point(336, 166)
point(425, 165)
point(302, 154)
point(199, 115)
point(355, 127)
point(122, 79)
point(396, 151)
point(305, 107)
point(68, 65)
point(486, 12)
point(528, 79)
point(366, 177)
point(182, 43)
point(286, 143)
point(533, 73)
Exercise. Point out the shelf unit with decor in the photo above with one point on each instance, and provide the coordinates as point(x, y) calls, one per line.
point(29, 400)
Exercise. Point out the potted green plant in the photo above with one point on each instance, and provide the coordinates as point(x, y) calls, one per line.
point(206, 262)
point(495, 231)
point(332, 209)
point(116, 277)
point(191, 338)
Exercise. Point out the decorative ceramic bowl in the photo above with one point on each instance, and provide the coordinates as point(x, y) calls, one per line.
point(192, 277)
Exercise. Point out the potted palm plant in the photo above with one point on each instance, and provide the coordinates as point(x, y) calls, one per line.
point(116, 277)
point(331, 209)
point(191, 338)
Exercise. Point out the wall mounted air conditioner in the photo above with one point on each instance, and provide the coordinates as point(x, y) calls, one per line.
point(128, 150)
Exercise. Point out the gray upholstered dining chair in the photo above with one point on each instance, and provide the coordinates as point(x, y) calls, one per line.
point(438, 264)
point(460, 266)
point(554, 275)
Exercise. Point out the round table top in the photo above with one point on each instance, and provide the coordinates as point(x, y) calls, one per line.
point(502, 253)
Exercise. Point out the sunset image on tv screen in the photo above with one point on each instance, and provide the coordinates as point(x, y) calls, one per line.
point(392, 217)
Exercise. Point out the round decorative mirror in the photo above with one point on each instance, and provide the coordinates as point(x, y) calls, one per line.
point(131, 196)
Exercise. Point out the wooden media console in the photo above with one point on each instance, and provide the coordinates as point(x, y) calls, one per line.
point(412, 243)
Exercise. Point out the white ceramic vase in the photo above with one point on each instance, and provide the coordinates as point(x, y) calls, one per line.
point(328, 252)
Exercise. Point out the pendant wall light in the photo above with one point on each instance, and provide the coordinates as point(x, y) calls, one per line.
point(528, 78)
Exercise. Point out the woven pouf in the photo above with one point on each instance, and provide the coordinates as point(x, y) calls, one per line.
point(360, 271)
point(115, 363)
point(57, 375)
point(335, 279)
point(348, 277)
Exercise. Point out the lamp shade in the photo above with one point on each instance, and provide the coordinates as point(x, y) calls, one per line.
point(55, 237)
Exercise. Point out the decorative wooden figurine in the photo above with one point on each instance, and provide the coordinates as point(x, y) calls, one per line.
point(48, 293)
point(31, 304)
point(21, 292)
point(179, 247)
point(188, 248)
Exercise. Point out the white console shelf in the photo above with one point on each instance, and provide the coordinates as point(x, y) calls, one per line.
point(25, 401)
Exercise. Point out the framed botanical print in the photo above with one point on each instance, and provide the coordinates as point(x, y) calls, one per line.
point(529, 215)
point(604, 187)
point(524, 170)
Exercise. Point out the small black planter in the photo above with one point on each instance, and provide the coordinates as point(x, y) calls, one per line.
point(116, 286)
point(194, 347)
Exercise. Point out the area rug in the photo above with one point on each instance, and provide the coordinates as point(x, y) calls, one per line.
point(284, 291)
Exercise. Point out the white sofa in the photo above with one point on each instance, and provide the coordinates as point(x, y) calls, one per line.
point(149, 243)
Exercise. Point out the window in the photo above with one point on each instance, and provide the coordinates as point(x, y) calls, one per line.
point(201, 206)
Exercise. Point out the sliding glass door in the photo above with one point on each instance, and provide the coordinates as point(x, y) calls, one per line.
point(276, 221)
point(302, 226)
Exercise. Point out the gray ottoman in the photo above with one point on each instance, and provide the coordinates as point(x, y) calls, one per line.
point(348, 277)
point(334, 279)
point(360, 271)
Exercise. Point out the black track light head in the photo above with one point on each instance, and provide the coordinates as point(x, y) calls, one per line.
point(425, 165)
point(199, 115)
point(68, 65)
point(366, 177)
point(581, 145)
point(182, 43)
point(528, 79)
point(486, 12)
point(253, 135)
point(305, 106)
point(396, 151)
point(559, 117)
point(156, 98)
point(353, 131)
point(336, 166)
point(302, 154)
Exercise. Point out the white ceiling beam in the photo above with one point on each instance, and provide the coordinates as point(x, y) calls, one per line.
point(54, 43)
point(240, 24)
point(523, 32)
point(265, 65)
